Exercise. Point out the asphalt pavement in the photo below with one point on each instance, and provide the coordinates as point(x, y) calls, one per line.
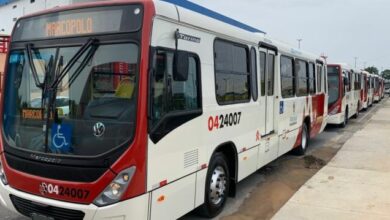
point(355, 184)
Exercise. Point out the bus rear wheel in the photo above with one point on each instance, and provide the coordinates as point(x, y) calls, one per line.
point(357, 112)
point(301, 150)
point(345, 122)
point(217, 187)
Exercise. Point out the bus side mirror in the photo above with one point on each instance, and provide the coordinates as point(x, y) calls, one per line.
point(180, 66)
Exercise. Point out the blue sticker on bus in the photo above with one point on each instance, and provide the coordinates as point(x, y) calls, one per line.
point(281, 107)
point(61, 138)
point(14, 58)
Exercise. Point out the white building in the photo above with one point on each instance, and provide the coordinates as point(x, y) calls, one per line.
point(11, 10)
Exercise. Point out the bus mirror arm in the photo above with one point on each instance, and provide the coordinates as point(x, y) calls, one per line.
point(180, 61)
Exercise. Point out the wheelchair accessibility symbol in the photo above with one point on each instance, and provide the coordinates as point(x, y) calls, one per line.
point(61, 138)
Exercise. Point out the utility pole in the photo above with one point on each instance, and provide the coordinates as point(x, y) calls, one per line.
point(299, 43)
point(324, 56)
point(355, 62)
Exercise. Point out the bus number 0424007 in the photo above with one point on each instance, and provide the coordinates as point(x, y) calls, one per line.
point(224, 120)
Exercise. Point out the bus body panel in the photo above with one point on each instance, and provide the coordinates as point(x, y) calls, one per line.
point(268, 150)
point(172, 201)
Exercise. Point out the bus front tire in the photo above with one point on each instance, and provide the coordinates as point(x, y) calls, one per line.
point(217, 187)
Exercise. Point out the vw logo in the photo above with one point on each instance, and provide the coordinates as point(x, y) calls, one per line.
point(99, 129)
point(43, 188)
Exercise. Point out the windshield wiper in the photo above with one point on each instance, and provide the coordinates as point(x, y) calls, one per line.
point(32, 67)
point(61, 74)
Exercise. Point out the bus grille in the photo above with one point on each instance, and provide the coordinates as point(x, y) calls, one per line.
point(27, 208)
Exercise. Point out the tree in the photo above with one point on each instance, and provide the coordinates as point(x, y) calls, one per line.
point(386, 74)
point(373, 70)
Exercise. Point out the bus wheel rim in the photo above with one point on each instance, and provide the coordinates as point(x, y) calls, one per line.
point(217, 185)
point(304, 138)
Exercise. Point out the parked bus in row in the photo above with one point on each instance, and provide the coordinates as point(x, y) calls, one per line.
point(344, 94)
point(365, 89)
point(358, 90)
point(384, 87)
point(169, 105)
point(371, 90)
point(377, 88)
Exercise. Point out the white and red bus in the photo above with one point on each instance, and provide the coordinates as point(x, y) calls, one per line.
point(344, 94)
point(377, 88)
point(358, 90)
point(147, 110)
point(383, 87)
point(370, 92)
point(365, 89)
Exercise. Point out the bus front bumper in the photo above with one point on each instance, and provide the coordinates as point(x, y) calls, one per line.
point(136, 208)
point(336, 119)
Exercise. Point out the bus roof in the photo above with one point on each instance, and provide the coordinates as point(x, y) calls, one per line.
point(212, 14)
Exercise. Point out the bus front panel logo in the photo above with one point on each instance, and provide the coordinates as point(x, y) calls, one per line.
point(43, 188)
point(99, 129)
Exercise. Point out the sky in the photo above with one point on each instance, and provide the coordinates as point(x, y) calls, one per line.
point(340, 29)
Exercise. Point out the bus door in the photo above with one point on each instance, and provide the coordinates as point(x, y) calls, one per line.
point(267, 79)
point(267, 76)
point(322, 96)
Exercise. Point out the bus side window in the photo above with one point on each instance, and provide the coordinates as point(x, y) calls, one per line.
point(302, 77)
point(271, 72)
point(254, 84)
point(173, 102)
point(325, 78)
point(312, 79)
point(263, 68)
point(287, 77)
point(232, 72)
point(319, 78)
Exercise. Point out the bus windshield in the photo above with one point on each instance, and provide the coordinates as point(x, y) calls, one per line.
point(334, 84)
point(92, 110)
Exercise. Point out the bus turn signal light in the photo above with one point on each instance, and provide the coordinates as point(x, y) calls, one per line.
point(161, 198)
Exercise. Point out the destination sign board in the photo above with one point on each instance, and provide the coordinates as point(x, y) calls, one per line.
point(80, 22)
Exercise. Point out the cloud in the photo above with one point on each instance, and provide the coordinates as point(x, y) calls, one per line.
point(343, 29)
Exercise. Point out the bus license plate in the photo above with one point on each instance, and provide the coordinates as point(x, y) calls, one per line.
point(36, 216)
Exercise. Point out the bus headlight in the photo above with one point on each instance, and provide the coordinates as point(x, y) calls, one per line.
point(3, 178)
point(114, 191)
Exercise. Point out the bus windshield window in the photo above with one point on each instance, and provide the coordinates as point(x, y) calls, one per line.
point(334, 84)
point(94, 113)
